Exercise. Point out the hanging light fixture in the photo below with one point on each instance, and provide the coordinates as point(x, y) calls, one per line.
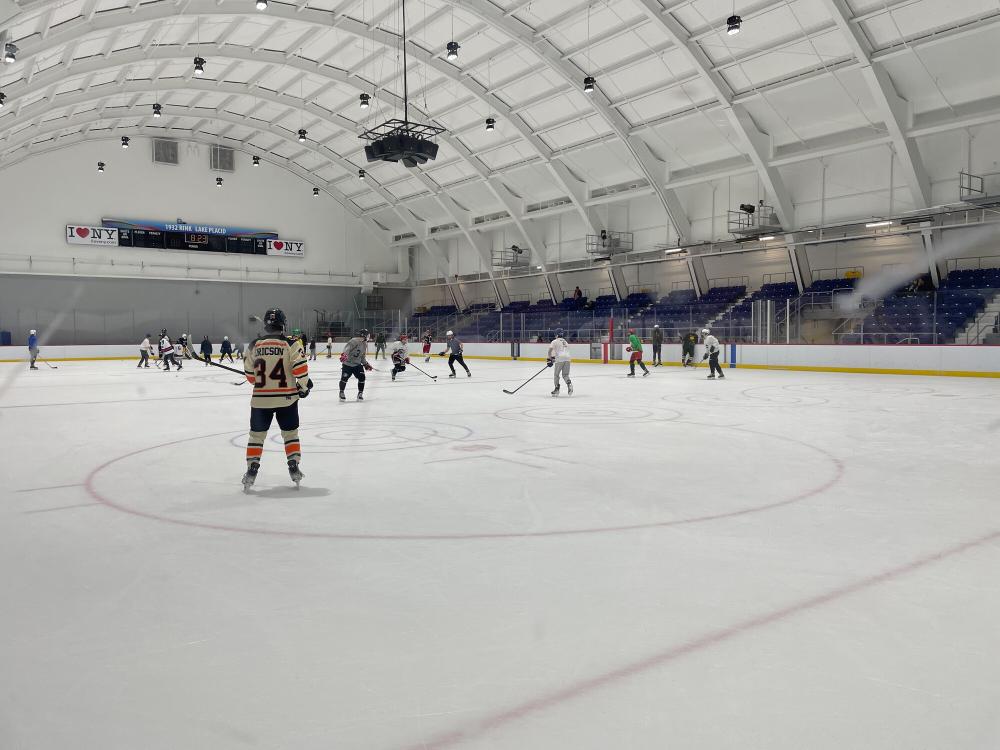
point(588, 80)
point(218, 182)
point(453, 48)
point(302, 135)
point(256, 161)
point(125, 140)
point(733, 24)
point(261, 4)
point(199, 66)
point(490, 124)
point(364, 101)
point(157, 110)
point(315, 192)
point(361, 174)
point(10, 53)
point(100, 167)
point(588, 84)
point(3, 98)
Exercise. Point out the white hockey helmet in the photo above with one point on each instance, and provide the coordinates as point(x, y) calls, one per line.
point(31, 332)
point(449, 334)
point(705, 331)
point(656, 326)
point(225, 338)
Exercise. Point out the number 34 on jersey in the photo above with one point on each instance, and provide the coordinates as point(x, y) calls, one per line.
point(275, 365)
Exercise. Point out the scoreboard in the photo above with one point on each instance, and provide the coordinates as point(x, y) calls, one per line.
point(181, 236)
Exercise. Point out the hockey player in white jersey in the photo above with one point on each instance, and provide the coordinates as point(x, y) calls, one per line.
point(560, 360)
point(400, 354)
point(712, 351)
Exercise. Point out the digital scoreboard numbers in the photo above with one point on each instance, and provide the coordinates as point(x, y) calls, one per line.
point(158, 235)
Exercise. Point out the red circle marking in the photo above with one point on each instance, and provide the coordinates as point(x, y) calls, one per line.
point(89, 484)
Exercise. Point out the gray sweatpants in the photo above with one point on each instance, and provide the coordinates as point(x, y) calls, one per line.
point(561, 368)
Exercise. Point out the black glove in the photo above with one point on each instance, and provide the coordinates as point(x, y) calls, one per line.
point(549, 362)
point(303, 392)
point(704, 357)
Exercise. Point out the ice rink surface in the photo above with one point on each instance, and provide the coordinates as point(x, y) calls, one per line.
point(780, 560)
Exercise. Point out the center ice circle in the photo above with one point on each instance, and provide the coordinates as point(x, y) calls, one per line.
point(352, 437)
point(467, 490)
point(584, 415)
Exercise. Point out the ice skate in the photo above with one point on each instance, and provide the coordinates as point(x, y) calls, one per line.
point(468, 374)
point(569, 390)
point(343, 396)
point(394, 377)
point(361, 397)
point(710, 377)
point(251, 476)
point(630, 375)
point(295, 472)
point(556, 391)
point(452, 375)
point(645, 373)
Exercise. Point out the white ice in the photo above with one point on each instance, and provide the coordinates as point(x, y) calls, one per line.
point(778, 560)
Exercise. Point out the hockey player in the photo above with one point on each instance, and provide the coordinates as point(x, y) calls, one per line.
point(167, 351)
point(560, 359)
point(206, 351)
point(181, 351)
point(226, 349)
point(657, 346)
point(712, 352)
point(276, 366)
point(428, 341)
point(329, 347)
point(380, 344)
point(688, 342)
point(400, 355)
point(635, 346)
point(32, 348)
point(144, 349)
point(354, 361)
point(454, 346)
point(312, 348)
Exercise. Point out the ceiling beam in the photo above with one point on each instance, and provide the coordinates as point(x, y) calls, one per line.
point(893, 108)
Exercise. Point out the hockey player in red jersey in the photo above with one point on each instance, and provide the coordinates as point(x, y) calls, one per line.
point(276, 366)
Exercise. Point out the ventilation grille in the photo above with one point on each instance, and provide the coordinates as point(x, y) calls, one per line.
point(165, 152)
point(223, 159)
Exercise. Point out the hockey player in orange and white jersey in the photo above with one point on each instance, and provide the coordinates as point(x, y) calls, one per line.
point(276, 366)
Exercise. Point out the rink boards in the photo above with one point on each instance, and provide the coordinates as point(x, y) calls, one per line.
point(961, 361)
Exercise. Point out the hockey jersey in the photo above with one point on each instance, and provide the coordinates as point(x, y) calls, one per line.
point(355, 352)
point(276, 366)
point(165, 346)
point(711, 344)
point(400, 351)
point(559, 350)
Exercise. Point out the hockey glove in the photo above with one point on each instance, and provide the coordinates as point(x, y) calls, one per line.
point(628, 348)
point(704, 356)
point(549, 362)
point(343, 357)
point(407, 360)
point(368, 367)
point(441, 354)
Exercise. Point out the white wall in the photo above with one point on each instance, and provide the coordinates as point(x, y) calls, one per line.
point(44, 194)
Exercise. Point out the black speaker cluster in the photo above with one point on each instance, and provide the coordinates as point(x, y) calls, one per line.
point(402, 147)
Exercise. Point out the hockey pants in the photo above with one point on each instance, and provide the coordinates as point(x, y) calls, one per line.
point(260, 422)
point(457, 358)
point(713, 364)
point(357, 371)
point(561, 368)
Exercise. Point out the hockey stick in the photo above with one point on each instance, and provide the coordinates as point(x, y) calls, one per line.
point(511, 393)
point(46, 362)
point(216, 364)
point(432, 377)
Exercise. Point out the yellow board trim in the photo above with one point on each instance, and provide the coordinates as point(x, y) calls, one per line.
point(790, 368)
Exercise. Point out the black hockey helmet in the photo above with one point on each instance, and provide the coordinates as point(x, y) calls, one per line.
point(363, 333)
point(163, 331)
point(274, 320)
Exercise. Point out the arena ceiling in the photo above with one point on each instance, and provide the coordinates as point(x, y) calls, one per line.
point(678, 101)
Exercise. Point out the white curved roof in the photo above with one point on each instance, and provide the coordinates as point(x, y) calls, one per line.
point(678, 101)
